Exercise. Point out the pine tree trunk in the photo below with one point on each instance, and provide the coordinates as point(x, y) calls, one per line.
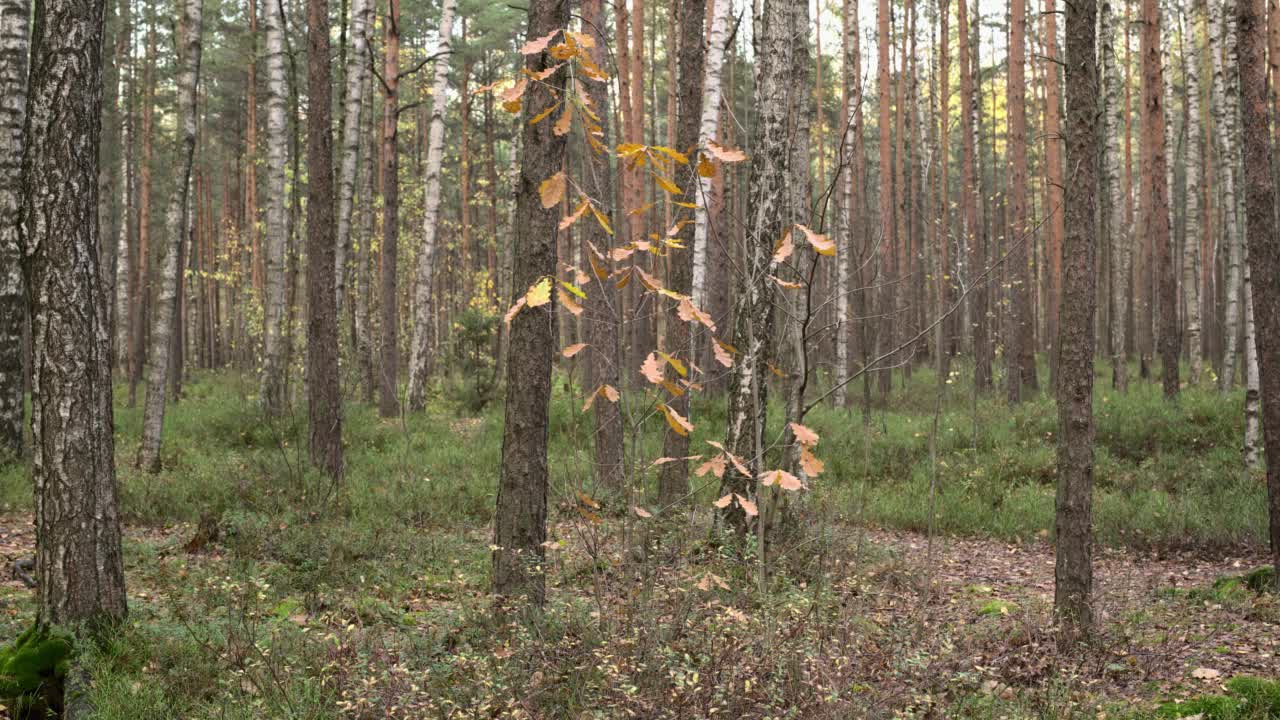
point(520, 523)
point(673, 480)
point(1225, 108)
point(1073, 576)
point(884, 260)
point(1056, 223)
point(420, 349)
point(324, 396)
point(141, 285)
point(602, 312)
point(388, 296)
point(356, 75)
point(1019, 345)
point(189, 36)
point(1156, 215)
point(1264, 244)
point(78, 557)
point(274, 366)
point(943, 271)
point(14, 16)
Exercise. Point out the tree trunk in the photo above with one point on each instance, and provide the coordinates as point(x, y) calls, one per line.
point(324, 397)
point(1073, 576)
point(1056, 223)
point(884, 261)
point(520, 523)
point(673, 480)
point(1121, 240)
point(1252, 391)
point(1156, 216)
point(1225, 108)
point(124, 259)
point(189, 35)
point(849, 260)
point(388, 298)
point(363, 324)
point(142, 281)
point(420, 351)
point(966, 30)
point(1019, 345)
point(766, 221)
point(1191, 244)
point(1264, 245)
point(707, 128)
point(357, 72)
point(603, 314)
point(943, 271)
point(78, 560)
point(14, 15)
point(274, 366)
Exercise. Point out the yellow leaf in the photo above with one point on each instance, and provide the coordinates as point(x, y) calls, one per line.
point(565, 123)
point(821, 243)
point(706, 168)
point(679, 424)
point(691, 206)
point(512, 106)
point(574, 288)
point(783, 249)
point(569, 220)
point(724, 154)
point(600, 218)
point(626, 149)
point(544, 114)
point(537, 45)
point(569, 303)
point(651, 369)
point(804, 435)
point(811, 465)
point(573, 349)
point(600, 272)
point(625, 278)
point(673, 154)
point(552, 190)
point(609, 392)
point(588, 501)
point(675, 390)
point(539, 293)
point(675, 364)
point(667, 185)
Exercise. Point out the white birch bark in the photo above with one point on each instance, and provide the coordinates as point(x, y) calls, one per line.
point(1253, 391)
point(123, 291)
point(176, 222)
point(352, 102)
point(1191, 249)
point(420, 349)
point(1225, 107)
point(707, 132)
point(14, 16)
point(275, 345)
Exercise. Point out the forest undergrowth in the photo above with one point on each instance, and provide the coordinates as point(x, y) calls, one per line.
point(256, 592)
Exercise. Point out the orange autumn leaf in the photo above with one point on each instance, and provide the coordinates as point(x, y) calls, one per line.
point(537, 45)
point(804, 435)
point(723, 502)
point(724, 154)
point(569, 303)
point(783, 249)
point(514, 309)
point(552, 189)
point(690, 313)
point(747, 506)
point(678, 423)
point(651, 369)
point(573, 349)
point(565, 122)
point(811, 465)
point(723, 356)
point(782, 478)
point(821, 243)
point(715, 466)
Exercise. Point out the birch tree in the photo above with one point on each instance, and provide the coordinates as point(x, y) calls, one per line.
point(1191, 247)
point(707, 128)
point(420, 347)
point(356, 74)
point(189, 33)
point(274, 366)
point(851, 188)
point(78, 558)
point(121, 288)
point(1225, 108)
point(14, 15)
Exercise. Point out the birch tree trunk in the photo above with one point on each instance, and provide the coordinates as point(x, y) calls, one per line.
point(1252, 391)
point(707, 128)
point(357, 71)
point(274, 366)
point(364, 291)
point(1073, 573)
point(120, 288)
point(420, 348)
point(14, 16)
point(766, 222)
point(389, 260)
point(851, 205)
point(1121, 244)
point(1264, 245)
point(78, 558)
point(176, 222)
point(1191, 246)
point(1224, 106)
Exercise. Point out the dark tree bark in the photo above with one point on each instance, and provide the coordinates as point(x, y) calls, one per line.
point(1020, 357)
point(1264, 245)
point(520, 523)
point(673, 483)
point(388, 298)
point(603, 314)
point(1074, 522)
point(78, 559)
point(14, 15)
point(1156, 216)
point(323, 392)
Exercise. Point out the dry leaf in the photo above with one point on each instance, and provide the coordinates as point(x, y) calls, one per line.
point(678, 423)
point(804, 435)
point(651, 369)
point(747, 506)
point(724, 501)
point(537, 45)
point(810, 463)
point(724, 154)
point(573, 349)
point(552, 190)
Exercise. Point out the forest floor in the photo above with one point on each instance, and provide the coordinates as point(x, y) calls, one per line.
point(377, 605)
